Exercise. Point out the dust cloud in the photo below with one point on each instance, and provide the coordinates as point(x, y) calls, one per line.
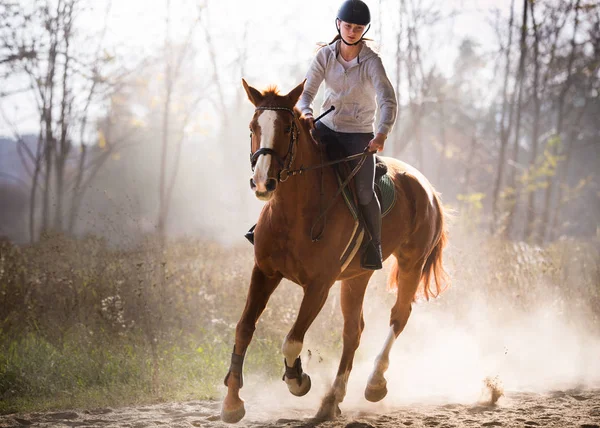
point(482, 339)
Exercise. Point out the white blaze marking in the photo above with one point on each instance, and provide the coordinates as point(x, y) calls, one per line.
point(266, 121)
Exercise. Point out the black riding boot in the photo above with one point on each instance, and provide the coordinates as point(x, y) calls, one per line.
point(250, 235)
point(372, 257)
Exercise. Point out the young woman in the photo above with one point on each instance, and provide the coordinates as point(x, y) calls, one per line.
point(355, 83)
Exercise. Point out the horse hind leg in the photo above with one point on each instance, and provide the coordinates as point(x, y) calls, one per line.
point(408, 283)
point(352, 295)
point(297, 381)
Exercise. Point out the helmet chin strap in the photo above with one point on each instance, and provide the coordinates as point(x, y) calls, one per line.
point(345, 42)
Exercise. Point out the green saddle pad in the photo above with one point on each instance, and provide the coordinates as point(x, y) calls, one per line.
point(386, 193)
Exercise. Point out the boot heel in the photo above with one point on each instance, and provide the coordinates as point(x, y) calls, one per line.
point(372, 257)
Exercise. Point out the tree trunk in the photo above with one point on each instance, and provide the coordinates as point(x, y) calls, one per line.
point(397, 141)
point(504, 128)
point(564, 170)
point(548, 196)
point(165, 127)
point(443, 139)
point(65, 107)
point(34, 186)
point(513, 187)
point(77, 195)
point(535, 134)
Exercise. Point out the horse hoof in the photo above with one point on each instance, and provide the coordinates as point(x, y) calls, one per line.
point(329, 409)
point(233, 416)
point(299, 390)
point(374, 395)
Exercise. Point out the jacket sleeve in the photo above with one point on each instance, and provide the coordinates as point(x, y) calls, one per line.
point(314, 78)
point(386, 97)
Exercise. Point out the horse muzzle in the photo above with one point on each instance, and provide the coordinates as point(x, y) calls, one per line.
point(263, 190)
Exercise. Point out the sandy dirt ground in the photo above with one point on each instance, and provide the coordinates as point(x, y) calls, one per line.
point(571, 408)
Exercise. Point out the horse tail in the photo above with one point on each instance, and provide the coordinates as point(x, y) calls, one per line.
point(433, 267)
point(434, 279)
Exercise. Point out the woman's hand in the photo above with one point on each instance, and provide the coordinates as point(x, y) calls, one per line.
point(308, 120)
point(377, 143)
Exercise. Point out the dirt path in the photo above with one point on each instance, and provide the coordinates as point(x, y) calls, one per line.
point(573, 408)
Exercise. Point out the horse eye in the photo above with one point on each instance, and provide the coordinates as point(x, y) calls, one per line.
point(288, 130)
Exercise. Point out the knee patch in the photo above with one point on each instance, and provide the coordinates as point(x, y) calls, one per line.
point(365, 195)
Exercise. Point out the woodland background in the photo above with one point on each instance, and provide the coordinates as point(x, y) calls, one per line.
point(124, 196)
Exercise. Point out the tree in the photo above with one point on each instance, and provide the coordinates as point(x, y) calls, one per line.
point(39, 42)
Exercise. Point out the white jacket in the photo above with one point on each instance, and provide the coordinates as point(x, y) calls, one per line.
point(355, 92)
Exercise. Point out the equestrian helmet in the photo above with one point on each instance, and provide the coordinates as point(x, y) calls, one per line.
point(354, 12)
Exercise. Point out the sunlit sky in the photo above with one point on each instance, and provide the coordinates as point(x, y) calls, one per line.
point(272, 32)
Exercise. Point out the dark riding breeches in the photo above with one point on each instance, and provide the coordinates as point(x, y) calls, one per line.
point(349, 144)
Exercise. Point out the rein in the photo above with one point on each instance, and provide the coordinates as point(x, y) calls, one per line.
point(286, 173)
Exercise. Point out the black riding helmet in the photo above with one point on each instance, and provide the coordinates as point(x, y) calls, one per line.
point(354, 12)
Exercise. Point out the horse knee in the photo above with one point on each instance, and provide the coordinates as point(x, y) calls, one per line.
point(352, 341)
point(352, 336)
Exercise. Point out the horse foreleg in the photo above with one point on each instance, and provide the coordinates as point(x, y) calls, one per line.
point(352, 296)
point(407, 286)
point(314, 298)
point(261, 288)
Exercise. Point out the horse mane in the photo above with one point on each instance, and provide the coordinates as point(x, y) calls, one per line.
point(271, 91)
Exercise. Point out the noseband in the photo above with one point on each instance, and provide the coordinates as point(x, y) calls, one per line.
point(283, 174)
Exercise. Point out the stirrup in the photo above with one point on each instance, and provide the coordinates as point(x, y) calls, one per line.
point(250, 235)
point(372, 257)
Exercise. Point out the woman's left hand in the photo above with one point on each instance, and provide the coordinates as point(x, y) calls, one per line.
point(377, 143)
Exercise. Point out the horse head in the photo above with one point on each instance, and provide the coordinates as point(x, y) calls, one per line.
point(273, 136)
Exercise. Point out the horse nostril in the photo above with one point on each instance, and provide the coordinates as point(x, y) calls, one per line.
point(252, 184)
point(271, 184)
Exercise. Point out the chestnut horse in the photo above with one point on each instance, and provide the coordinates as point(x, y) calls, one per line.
point(413, 232)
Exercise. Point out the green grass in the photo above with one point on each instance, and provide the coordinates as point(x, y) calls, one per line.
point(37, 375)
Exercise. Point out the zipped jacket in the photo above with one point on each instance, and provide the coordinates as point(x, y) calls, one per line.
point(355, 92)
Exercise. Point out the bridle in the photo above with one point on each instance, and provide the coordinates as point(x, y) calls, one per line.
point(283, 173)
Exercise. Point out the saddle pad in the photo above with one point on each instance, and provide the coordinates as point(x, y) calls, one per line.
point(386, 193)
point(384, 188)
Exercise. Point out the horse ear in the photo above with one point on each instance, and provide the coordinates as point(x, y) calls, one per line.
point(295, 93)
point(254, 95)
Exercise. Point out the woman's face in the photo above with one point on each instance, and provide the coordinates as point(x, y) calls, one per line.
point(351, 32)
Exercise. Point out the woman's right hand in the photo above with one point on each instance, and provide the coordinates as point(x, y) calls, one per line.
point(308, 120)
